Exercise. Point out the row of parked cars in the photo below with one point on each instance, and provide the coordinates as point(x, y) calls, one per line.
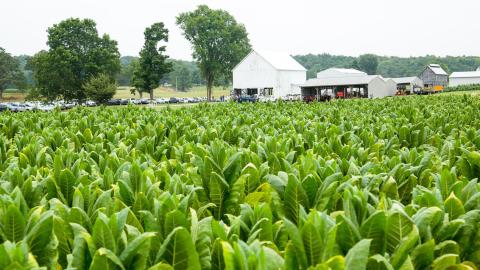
point(256, 98)
point(48, 106)
point(35, 106)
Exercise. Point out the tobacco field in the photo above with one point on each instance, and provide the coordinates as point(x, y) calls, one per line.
point(357, 184)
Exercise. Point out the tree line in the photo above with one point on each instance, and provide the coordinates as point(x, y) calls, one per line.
point(387, 66)
point(80, 64)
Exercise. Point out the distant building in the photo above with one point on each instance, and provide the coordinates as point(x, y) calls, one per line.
point(347, 83)
point(465, 78)
point(408, 84)
point(340, 72)
point(267, 73)
point(434, 77)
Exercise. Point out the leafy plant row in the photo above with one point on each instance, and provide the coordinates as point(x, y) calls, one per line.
point(357, 184)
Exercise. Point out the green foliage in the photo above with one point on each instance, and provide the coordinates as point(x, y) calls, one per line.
point(100, 88)
point(350, 184)
point(219, 42)
point(152, 65)
point(388, 66)
point(10, 73)
point(471, 87)
point(368, 63)
point(76, 53)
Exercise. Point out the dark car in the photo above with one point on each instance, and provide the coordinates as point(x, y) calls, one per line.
point(173, 100)
point(3, 107)
point(114, 102)
point(246, 99)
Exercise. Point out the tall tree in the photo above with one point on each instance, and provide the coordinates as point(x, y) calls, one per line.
point(10, 73)
point(76, 53)
point(218, 41)
point(368, 63)
point(153, 64)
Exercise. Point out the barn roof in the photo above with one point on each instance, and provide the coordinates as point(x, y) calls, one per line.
point(437, 69)
point(340, 72)
point(341, 81)
point(280, 60)
point(467, 74)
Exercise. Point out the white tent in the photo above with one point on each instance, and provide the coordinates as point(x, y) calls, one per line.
point(373, 86)
point(464, 78)
point(268, 73)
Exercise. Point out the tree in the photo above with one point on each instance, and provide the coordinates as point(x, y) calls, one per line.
point(10, 73)
point(368, 63)
point(128, 66)
point(153, 64)
point(76, 54)
point(100, 88)
point(181, 78)
point(218, 41)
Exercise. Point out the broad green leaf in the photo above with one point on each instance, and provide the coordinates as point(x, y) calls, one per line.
point(13, 224)
point(357, 256)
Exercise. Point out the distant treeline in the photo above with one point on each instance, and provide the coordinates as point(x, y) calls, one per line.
point(389, 66)
point(183, 75)
point(186, 73)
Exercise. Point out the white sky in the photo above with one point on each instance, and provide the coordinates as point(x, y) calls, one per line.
point(347, 27)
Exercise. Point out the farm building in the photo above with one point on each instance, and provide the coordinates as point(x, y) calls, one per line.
point(465, 78)
point(373, 86)
point(408, 84)
point(267, 73)
point(434, 77)
point(347, 83)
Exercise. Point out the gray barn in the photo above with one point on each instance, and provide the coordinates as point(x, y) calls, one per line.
point(434, 77)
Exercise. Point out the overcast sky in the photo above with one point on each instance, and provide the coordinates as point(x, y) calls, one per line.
point(348, 27)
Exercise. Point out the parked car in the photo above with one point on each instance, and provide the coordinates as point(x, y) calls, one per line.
point(246, 99)
point(173, 100)
point(3, 107)
point(266, 99)
point(90, 103)
point(144, 101)
point(161, 101)
point(114, 101)
point(46, 107)
point(15, 107)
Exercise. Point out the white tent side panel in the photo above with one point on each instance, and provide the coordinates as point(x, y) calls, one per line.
point(287, 80)
point(378, 88)
point(255, 72)
point(464, 81)
point(391, 87)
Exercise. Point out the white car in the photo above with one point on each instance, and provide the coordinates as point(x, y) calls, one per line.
point(161, 101)
point(46, 107)
point(90, 103)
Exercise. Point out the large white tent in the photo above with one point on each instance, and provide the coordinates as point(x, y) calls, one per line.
point(268, 73)
point(464, 78)
point(346, 83)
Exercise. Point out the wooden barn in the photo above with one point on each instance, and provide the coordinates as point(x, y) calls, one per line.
point(434, 77)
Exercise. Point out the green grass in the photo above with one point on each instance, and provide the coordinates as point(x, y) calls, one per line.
point(197, 91)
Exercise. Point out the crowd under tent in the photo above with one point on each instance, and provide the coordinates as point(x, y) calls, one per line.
point(465, 78)
point(267, 73)
point(367, 86)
